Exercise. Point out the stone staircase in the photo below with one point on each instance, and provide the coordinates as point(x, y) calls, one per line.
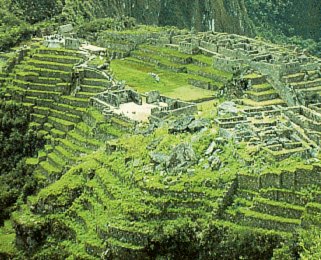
point(260, 92)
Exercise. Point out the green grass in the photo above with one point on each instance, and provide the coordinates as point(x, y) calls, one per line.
point(279, 204)
point(267, 217)
point(252, 76)
point(56, 58)
point(72, 147)
point(200, 78)
point(57, 133)
point(2, 64)
point(141, 29)
point(262, 93)
point(210, 70)
point(84, 140)
point(171, 84)
point(7, 238)
point(204, 59)
point(262, 86)
point(32, 161)
point(249, 102)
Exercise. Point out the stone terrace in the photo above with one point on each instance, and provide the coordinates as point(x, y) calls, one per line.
point(44, 81)
point(279, 131)
point(294, 75)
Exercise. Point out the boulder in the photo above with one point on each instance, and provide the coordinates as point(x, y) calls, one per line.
point(181, 124)
point(227, 108)
point(199, 124)
point(159, 158)
point(211, 148)
point(182, 156)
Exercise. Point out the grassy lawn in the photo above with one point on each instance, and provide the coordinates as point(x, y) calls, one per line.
point(171, 84)
point(7, 236)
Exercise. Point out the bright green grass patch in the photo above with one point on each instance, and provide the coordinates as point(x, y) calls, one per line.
point(262, 86)
point(32, 161)
point(262, 93)
point(139, 30)
point(208, 109)
point(278, 219)
point(96, 62)
point(210, 70)
point(7, 238)
point(204, 59)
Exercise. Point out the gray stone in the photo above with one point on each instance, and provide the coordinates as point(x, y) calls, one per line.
point(72, 43)
point(159, 158)
point(198, 124)
point(220, 141)
point(65, 29)
point(183, 155)
point(211, 148)
point(215, 162)
point(181, 125)
point(226, 108)
point(206, 166)
point(314, 152)
point(201, 160)
point(191, 172)
point(136, 162)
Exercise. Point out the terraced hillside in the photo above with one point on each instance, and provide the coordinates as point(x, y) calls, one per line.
point(42, 81)
point(261, 92)
point(238, 179)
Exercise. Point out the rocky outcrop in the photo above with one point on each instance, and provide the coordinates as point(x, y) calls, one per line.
point(294, 17)
point(221, 15)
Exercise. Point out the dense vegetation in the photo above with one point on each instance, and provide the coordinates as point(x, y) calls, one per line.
point(289, 17)
point(17, 141)
point(12, 28)
point(288, 22)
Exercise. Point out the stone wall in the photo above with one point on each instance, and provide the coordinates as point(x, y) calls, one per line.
point(93, 74)
point(108, 97)
point(227, 64)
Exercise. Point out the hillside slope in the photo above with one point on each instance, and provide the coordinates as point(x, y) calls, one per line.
point(230, 16)
point(292, 18)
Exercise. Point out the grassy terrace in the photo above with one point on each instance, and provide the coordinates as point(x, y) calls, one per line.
point(8, 236)
point(171, 84)
point(210, 70)
point(141, 29)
